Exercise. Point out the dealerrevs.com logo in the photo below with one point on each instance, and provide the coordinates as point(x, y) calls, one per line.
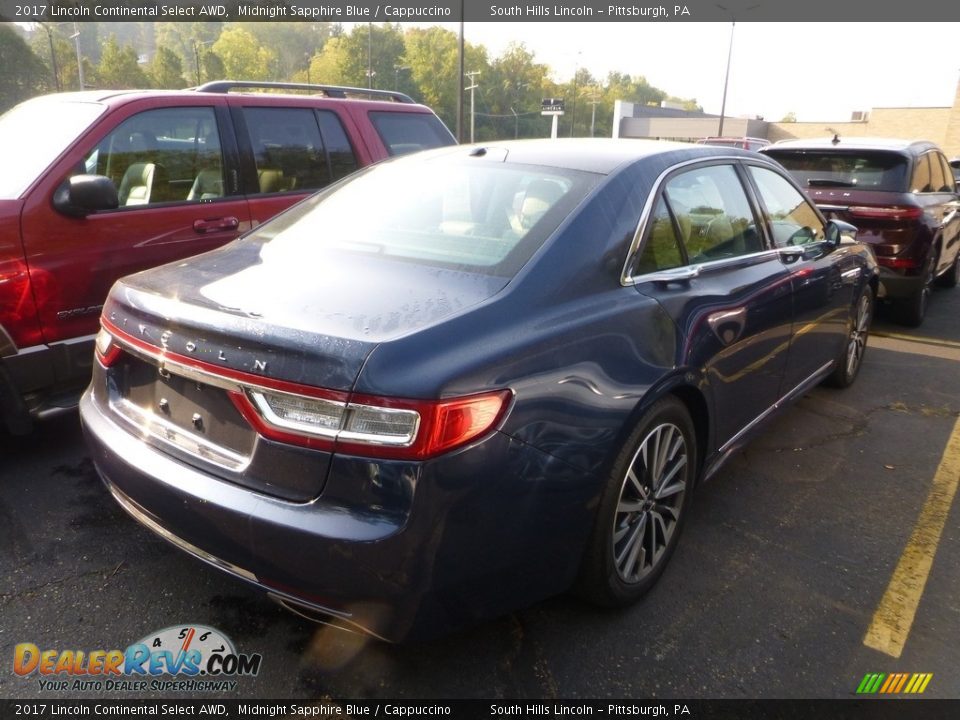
point(198, 658)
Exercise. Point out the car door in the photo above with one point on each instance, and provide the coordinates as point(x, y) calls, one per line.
point(290, 150)
point(823, 275)
point(174, 170)
point(705, 260)
point(949, 215)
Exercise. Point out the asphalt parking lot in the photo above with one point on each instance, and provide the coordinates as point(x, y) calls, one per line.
point(805, 565)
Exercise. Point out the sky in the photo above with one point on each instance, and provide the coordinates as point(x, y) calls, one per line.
point(819, 71)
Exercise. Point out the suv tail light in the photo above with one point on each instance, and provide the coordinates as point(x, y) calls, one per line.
point(372, 426)
point(888, 212)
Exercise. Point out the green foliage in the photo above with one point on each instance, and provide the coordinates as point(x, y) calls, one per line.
point(119, 68)
point(30, 73)
point(790, 117)
point(420, 61)
point(166, 70)
point(243, 57)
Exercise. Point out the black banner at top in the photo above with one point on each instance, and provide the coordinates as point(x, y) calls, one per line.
point(853, 11)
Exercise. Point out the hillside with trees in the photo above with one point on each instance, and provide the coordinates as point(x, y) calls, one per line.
point(419, 61)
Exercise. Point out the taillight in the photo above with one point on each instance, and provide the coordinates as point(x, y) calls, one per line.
point(107, 348)
point(372, 426)
point(898, 263)
point(886, 212)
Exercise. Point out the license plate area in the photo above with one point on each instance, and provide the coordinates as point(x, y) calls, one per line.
point(182, 413)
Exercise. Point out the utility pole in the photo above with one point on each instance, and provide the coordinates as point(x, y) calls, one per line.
point(460, 68)
point(472, 88)
point(76, 42)
point(593, 113)
point(369, 55)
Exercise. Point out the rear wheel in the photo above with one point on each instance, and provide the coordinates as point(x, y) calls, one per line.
point(913, 310)
point(642, 507)
point(951, 278)
point(851, 356)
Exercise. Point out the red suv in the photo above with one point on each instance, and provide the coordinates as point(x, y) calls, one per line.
point(903, 198)
point(98, 185)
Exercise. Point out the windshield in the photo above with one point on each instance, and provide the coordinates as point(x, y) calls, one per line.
point(474, 215)
point(863, 170)
point(34, 133)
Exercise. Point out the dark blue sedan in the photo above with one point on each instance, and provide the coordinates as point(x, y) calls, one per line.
point(463, 381)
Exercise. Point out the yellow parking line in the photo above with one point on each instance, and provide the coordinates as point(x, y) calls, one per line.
point(917, 339)
point(894, 616)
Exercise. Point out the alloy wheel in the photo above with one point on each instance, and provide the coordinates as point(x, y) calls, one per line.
point(650, 502)
point(858, 335)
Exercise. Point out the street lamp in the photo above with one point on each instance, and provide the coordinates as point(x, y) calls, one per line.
point(76, 42)
point(726, 77)
point(472, 88)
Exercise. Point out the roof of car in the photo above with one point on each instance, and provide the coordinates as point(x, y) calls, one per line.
point(597, 155)
point(852, 143)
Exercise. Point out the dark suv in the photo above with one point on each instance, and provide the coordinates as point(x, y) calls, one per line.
point(903, 198)
point(98, 185)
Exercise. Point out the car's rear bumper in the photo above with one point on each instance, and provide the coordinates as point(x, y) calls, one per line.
point(453, 540)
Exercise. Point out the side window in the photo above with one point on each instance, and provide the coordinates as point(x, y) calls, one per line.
point(938, 179)
point(287, 149)
point(160, 156)
point(793, 221)
point(950, 181)
point(406, 132)
point(661, 249)
point(342, 160)
point(921, 181)
point(712, 213)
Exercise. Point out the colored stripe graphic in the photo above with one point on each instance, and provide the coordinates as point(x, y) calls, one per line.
point(894, 683)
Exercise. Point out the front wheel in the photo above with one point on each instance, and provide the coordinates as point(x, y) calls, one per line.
point(851, 356)
point(642, 507)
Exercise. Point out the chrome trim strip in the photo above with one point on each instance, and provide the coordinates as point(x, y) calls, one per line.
point(809, 382)
point(165, 432)
point(627, 280)
point(141, 516)
point(7, 345)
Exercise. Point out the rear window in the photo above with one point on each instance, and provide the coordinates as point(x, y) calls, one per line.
point(405, 132)
point(477, 216)
point(863, 170)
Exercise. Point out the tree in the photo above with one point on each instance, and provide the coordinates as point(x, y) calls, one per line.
point(30, 77)
point(344, 59)
point(119, 67)
point(790, 117)
point(166, 70)
point(243, 57)
point(295, 43)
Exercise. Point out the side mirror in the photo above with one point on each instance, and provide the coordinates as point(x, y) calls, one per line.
point(839, 232)
point(82, 195)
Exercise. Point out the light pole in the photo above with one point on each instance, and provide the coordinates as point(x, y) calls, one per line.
point(460, 69)
point(573, 110)
point(726, 77)
point(472, 88)
point(53, 57)
point(370, 56)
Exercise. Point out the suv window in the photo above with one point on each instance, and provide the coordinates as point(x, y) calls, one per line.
point(403, 132)
point(921, 182)
point(712, 213)
point(342, 160)
point(287, 149)
point(938, 178)
point(164, 155)
point(865, 170)
point(793, 221)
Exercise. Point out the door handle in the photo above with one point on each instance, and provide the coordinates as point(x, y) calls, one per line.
point(791, 253)
point(224, 223)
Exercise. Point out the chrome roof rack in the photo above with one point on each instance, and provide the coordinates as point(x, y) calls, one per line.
point(333, 91)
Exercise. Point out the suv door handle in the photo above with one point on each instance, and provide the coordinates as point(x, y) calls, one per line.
point(225, 223)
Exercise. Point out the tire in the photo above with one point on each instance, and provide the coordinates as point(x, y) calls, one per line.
point(913, 310)
point(855, 345)
point(642, 508)
point(951, 278)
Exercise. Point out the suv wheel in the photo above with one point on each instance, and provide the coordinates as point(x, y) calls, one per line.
point(951, 278)
point(851, 356)
point(914, 309)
